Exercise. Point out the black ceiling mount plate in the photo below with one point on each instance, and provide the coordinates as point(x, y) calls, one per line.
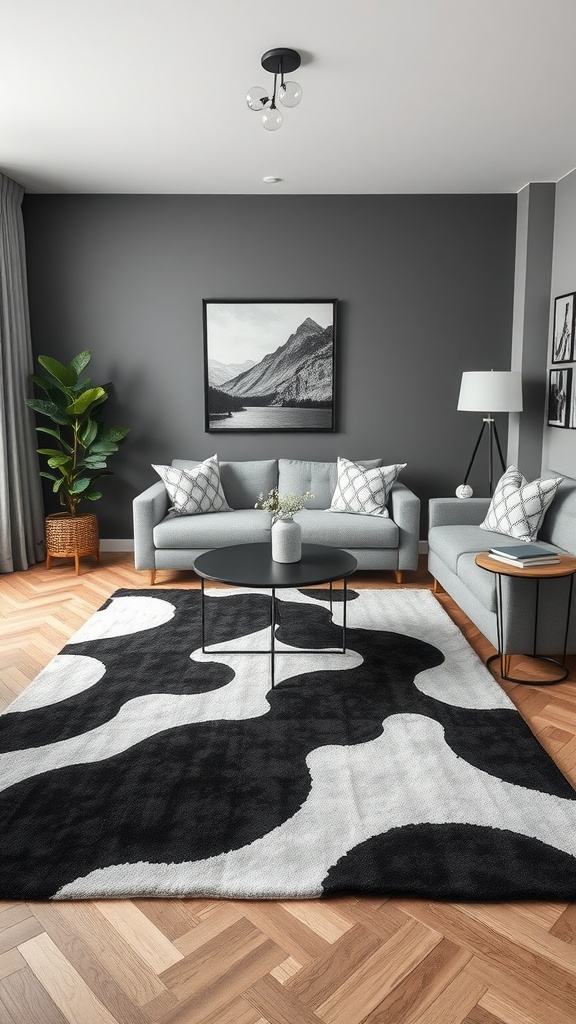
point(281, 59)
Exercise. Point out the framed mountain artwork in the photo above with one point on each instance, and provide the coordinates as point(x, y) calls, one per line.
point(269, 365)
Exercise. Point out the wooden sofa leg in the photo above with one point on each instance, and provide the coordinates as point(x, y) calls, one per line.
point(152, 577)
point(436, 587)
point(399, 575)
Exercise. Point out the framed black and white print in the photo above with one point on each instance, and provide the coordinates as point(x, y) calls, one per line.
point(563, 331)
point(269, 365)
point(559, 398)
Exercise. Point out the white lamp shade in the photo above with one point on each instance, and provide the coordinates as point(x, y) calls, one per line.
point(490, 391)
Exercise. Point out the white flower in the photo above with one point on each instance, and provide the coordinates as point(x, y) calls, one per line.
point(282, 506)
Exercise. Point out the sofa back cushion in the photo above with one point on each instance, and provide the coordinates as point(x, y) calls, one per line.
point(242, 482)
point(559, 526)
point(296, 476)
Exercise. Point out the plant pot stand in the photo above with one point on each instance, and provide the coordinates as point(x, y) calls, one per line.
point(72, 537)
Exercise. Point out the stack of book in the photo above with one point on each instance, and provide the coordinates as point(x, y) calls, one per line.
point(524, 555)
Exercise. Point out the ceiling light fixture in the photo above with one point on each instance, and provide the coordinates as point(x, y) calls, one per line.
point(280, 61)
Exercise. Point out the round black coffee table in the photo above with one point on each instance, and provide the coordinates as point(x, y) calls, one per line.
point(251, 565)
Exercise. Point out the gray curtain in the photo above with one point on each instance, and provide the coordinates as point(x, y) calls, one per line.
point(21, 510)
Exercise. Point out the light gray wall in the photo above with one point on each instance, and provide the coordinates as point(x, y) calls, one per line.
point(534, 247)
point(425, 290)
point(559, 444)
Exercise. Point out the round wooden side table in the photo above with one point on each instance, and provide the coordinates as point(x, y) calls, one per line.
point(565, 567)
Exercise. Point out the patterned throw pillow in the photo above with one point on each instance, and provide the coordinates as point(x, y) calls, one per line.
point(193, 491)
point(518, 508)
point(364, 491)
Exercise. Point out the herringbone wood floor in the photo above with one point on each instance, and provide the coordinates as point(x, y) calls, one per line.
point(342, 961)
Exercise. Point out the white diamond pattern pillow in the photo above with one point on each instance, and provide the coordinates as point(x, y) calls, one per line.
point(518, 507)
point(194, 491)
point(363, 491)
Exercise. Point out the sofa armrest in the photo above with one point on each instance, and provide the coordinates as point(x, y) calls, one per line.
point(405, 511)
point(149, 508)
point(457, 511)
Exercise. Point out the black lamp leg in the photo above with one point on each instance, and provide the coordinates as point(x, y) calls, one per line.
point(492, 435)
point(474, 452)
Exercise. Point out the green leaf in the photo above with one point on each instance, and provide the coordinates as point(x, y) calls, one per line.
point(61, 373)
point(93, 462)
point(58, 485)
point(49, 451)
point(80, 485)
point(60, 460)
point(82, 384)
point(103, 448)
point(93, 495)
point(88, 433)
point(112, 433)
point(54, 433)
point(84, 401)
point(48, 476)
point(55, 391)
point(80, 362)
point(48, 409)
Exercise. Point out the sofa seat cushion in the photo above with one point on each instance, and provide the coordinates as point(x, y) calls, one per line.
point(216, 530)
point(346, 530)
point(450, 542)
point(481, 582)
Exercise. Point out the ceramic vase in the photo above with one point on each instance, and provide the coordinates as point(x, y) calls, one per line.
point(286, 541)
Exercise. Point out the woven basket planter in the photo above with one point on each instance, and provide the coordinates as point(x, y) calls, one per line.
point(71, 537)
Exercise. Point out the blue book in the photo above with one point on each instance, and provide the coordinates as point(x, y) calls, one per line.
point(522, 551)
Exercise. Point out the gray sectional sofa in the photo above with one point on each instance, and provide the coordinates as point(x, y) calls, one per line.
point(454, 540)
point(165, 541)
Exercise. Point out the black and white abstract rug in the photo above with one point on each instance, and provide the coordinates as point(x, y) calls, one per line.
point(137, 765)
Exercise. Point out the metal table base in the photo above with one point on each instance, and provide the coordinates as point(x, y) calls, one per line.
point(274, 621)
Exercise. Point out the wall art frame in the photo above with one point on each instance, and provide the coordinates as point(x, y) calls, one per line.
point(563, 328)
point(269, 365)
point(560, 398)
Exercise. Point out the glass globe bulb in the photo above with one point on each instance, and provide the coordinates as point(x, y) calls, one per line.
point(272, 119)
point(290, 94)
point(257, 98)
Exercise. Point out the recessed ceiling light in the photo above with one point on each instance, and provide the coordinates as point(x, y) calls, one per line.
point(271, 180)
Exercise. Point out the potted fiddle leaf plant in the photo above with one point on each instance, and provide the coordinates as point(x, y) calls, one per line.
point(77, 458)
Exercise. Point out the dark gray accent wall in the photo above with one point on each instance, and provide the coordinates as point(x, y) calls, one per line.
point(425, 290)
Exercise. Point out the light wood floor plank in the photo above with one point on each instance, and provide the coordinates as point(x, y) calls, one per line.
point(73, 997)
point(363, 990)
point(140, 933)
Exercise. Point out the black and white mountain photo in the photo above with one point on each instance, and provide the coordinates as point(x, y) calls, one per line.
point(269, 365)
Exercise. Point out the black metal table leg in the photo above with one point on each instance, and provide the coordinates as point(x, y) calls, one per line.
point(538, 657)
point(331, 599)
point(202, 611)
point(272, 632)
point(344, 617)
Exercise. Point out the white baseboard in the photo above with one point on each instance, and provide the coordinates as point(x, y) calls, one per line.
point(126, 544)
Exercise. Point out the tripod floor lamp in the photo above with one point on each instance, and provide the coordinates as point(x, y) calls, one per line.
point(480, 391)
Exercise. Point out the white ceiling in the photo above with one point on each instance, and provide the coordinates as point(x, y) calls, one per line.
point(399, 96)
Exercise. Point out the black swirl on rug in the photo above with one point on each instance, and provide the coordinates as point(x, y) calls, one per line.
point(455, 862)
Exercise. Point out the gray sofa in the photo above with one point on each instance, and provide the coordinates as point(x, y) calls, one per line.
point(165, 541)
point(454, 540)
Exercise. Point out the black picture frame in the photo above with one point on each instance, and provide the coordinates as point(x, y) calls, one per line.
point(283, 356)
point(559, 397)
point(563, 328)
